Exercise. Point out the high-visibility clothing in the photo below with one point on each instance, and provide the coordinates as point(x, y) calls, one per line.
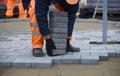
point(38, 19)
point(10, 7)
point(37, 38)
point(42, 8)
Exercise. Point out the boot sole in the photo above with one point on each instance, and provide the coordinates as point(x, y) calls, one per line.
point(38, 55)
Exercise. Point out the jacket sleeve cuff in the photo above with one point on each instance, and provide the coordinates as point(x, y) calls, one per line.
point(58, 7)
point(44, 32)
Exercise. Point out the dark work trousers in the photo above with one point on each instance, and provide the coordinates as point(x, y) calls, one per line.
point(42, 8)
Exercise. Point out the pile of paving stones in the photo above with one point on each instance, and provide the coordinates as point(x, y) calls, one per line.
point(59, 27)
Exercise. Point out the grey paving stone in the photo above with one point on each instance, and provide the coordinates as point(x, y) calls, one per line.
point(58, 14)
point(55, 35)
point(59, 41)
point(57, 59)
point(111, 53)
point(59, 52)
point(117, 47)
point(60, 46)
point(22, 63)
point(4, 45)
point(6, 63)
point(103, 56)
point(110, 47)
point(58, 19)
point(99, 47)
point(9, 50)
point(42, 63)
point(58, 24)
point(59, 30)
point(2, 51)
point(3, 56)
point(71, 59)
point(89, 59)
point(3, 38)
point(23, 50)
point(22, 56)
point(117, 53)
point(82, 52)
point(82, 38)
point(82, 46)
point(82, 41)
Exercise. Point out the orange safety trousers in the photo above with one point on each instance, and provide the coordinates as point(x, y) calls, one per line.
point(37, 38)
point(10, 7)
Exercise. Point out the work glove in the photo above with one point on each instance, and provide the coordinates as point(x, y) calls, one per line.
point(50, 46)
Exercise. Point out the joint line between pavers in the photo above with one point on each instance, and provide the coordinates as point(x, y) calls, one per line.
point(60, 68)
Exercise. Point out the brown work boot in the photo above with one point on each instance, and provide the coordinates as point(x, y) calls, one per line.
point(70, 48)
point(37, 52)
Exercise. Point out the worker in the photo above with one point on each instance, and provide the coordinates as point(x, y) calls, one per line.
point(39, 24)
point(10, 8)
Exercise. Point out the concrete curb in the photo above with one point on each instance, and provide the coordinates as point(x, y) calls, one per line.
point(114, 23)
point(78, 20)
point(13, 20)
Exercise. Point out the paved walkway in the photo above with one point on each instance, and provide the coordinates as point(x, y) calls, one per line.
point(15, 49)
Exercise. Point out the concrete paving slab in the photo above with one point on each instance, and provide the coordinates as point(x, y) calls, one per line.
point(89, 59)
point(22, 63)
point(55, 35)
point(59, 41)
point(111, 53)
point(59, 51)
point(57, 59)
point(58, 24)
point(60, 46)
point(98, 47)
point(6, 63)
point(58, 19)
point(71, 59)
point(103, 56)
point(58, 14)
point(117, 53)
point(59, 31)
point(42, 63)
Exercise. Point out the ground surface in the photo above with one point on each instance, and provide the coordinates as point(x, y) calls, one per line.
point(104, 68)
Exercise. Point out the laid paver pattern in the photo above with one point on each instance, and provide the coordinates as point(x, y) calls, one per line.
point(16, 50)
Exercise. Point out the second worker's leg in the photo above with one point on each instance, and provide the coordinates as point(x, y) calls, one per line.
point(22, 12)
point(37, 38)
point(10, 7)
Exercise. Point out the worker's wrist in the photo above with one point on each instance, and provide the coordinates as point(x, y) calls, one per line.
point(47, 36)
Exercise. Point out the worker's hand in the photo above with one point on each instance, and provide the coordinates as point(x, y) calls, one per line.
point(72, 2)
point(50, 46)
